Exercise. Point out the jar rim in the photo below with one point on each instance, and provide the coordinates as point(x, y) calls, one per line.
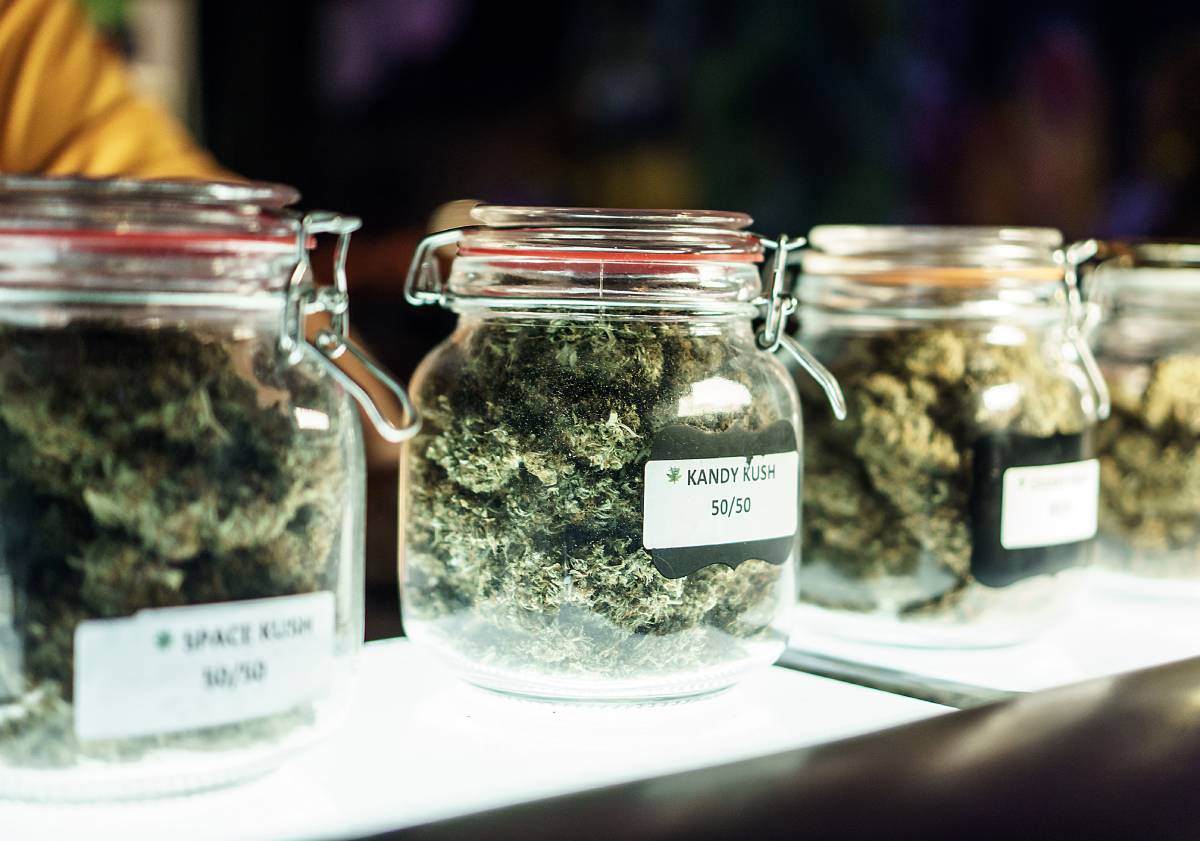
point(124, 236)
point(500, 215)
point(1147, 276)
point(934, 272)
point(935, 255)
point(260, 194)
point(581, 258)
point(145, 216)
point(599, 235)
point(1152, 254)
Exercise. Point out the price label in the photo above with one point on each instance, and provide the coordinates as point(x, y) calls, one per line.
point(739, 501)
point(1050, 504)
point(183, 668)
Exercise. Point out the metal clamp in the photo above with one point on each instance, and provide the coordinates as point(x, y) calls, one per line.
point(780, 305)
point(304, 298)
point(1075, 258)
point(424, 284)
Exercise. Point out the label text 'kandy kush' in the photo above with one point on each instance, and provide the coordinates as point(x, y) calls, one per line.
point(730, 475)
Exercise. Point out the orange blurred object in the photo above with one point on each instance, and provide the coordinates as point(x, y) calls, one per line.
point(67, 105)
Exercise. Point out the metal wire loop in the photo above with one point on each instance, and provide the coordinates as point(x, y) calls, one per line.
point(779, 305)
point(332, 346)
point(304, 298)
point(424, 284)
point(1076, 258)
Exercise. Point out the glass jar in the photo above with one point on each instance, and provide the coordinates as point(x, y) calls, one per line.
point(1147, 342)
point(957, 502)
point(181, 487)
point(602, 502)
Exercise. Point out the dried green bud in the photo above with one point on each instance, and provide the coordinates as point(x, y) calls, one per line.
point(888, 522)
point(152, 467)
point(1150, 470)
point(524, 533)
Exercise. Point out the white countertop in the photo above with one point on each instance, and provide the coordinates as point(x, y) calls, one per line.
point(1107, 633)
point(419, 745)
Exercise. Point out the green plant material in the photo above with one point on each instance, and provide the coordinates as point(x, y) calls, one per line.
point(1150, 470)
point(146, 468)
point(524, 534)
point(887, 492)
point(40, 733)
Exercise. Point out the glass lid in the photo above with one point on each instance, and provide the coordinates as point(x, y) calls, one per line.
point(1151, 274)
point(1151, 255)
point(610, 234)
point(530, 258)
point(497, 215)
point(128, 214)
point(69, 236)
point(184, 191)
point(935, 255)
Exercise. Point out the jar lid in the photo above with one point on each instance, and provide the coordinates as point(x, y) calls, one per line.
point(530, 258)
point(573, 234)
point(1151, 256)
point(146, 217)
point(98, 237)
point(950, 256)
point(1150, 274)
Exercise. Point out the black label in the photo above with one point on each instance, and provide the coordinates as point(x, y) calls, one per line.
point(680, 442)
point(991, 563)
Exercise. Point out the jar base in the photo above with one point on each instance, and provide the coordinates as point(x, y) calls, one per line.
point(188, 767)
point(979, 617)
point(610, 693)
point(97, 781)
point(532, 685)
point(596, 701)
point(888, 630)
point(1124, 583)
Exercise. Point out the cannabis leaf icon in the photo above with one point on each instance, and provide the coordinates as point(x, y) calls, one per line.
point(163, 640)
point(673, 475)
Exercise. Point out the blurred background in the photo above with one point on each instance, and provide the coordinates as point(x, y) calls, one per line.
point(1080, 116)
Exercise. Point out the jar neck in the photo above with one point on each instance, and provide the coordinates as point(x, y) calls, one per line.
point(528, 283)
point(1142, 313)
point(222, 315)
point(817, 323)
point(698, 323)
point(150, 274)
point(154, 237)
point(1160, 294)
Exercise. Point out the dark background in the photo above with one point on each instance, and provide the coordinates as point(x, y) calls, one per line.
point(1082, 116)
point(1074, 115)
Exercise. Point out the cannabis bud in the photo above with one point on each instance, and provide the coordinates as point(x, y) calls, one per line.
point(525, 552)
point(903, 500)
point(1150, 469)
point(150, 467)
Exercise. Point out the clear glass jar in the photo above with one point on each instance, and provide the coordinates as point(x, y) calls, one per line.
point(956, 503)
point(602, 503)
point(1147, 342)
point(181, 487)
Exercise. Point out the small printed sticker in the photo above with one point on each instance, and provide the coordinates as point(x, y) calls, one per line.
point(12, 683)
point(1050, 504)
point(722, 498)
point(171, 669)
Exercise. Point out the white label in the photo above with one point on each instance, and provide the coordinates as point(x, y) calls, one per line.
point(181, 668)
point(1049, 505)
point(11, 681)
point(714, 501)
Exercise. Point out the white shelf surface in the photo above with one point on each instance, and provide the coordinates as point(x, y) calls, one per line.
point(419, 745)
point(1109, 632)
